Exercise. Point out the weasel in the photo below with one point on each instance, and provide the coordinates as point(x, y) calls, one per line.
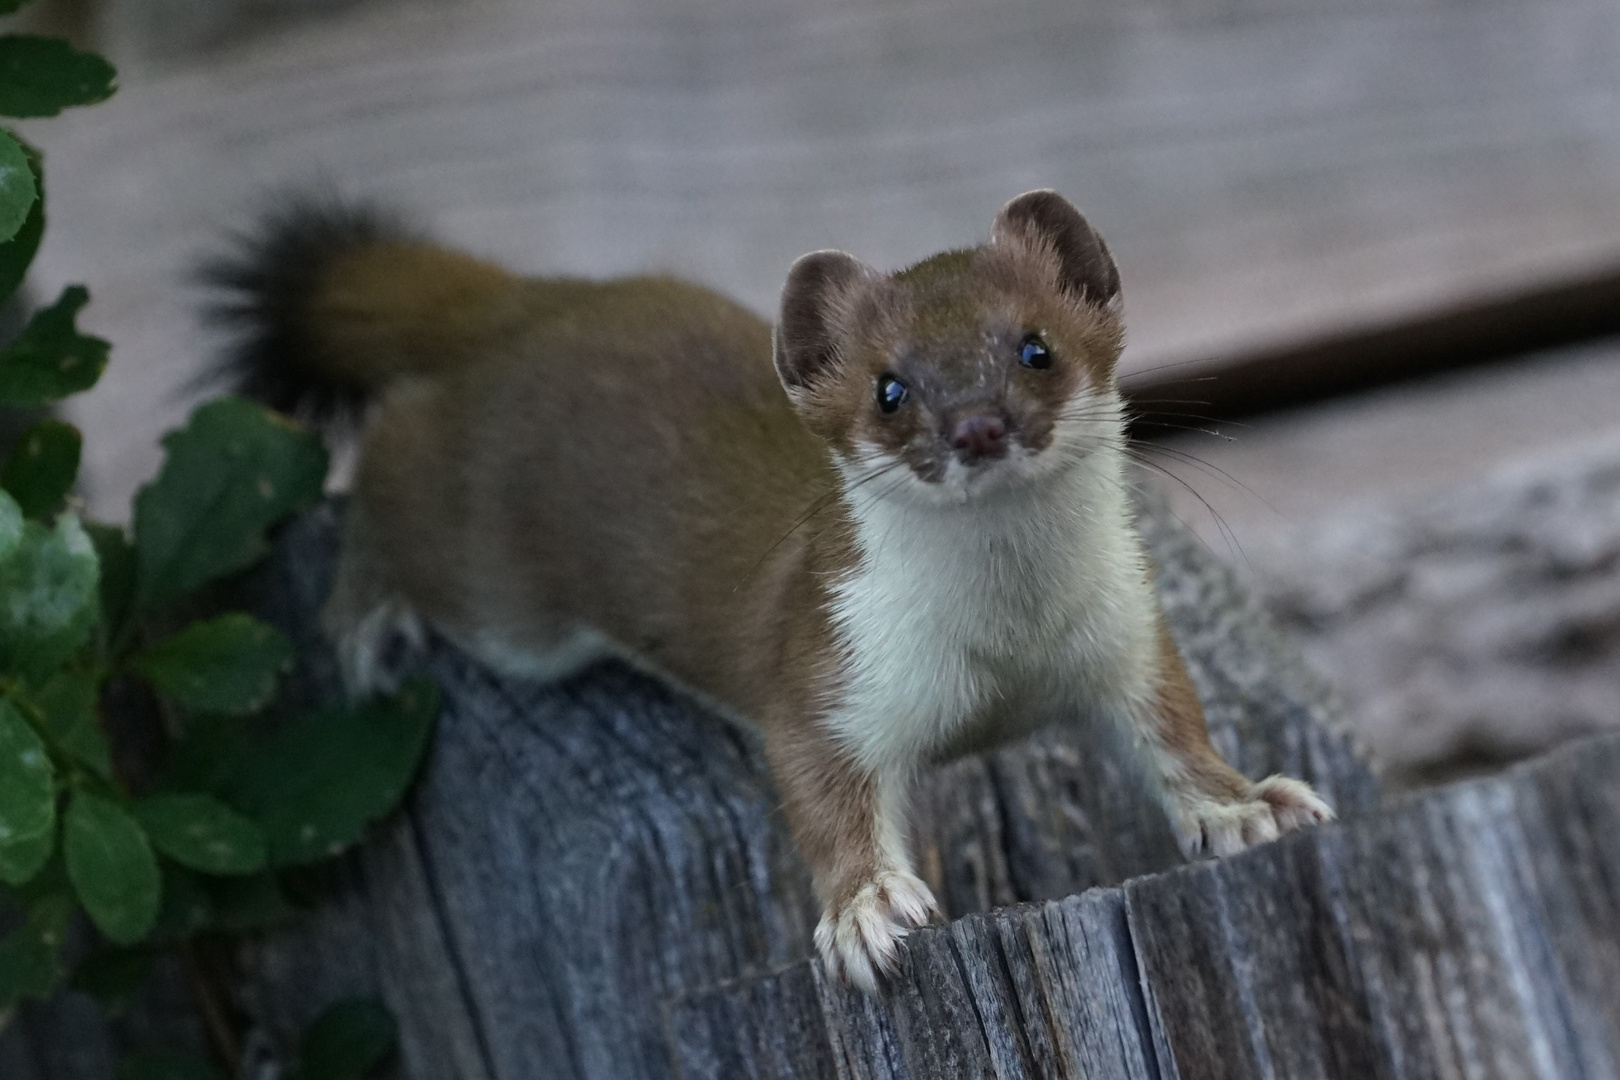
point(908, 537)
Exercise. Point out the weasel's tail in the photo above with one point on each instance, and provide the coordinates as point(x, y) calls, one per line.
point(325, 303)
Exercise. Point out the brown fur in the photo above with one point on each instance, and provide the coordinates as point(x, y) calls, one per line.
point(833, 805)
point(1183, 732)
point(926, 326)
point(395, 306)
point(552, 455)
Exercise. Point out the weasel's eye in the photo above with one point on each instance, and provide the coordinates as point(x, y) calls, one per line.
point(891, 393)
point(1033, 353)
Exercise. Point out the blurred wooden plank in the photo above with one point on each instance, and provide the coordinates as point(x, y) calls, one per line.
point(1476, 332)
point(1265, 172)
point(1472, 625)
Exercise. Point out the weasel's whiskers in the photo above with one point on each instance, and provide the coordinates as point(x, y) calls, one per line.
point(1228, 534)
point(1188, 458)
point(1139, 372)
point(817, 507)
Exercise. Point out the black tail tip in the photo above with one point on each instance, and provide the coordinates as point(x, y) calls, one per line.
point(258, 294)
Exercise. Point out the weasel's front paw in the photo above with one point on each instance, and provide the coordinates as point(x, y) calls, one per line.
point(1267, 809)
point(859, 938)
point(370, 650)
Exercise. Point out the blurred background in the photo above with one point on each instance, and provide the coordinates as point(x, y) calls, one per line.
point(1371, 252)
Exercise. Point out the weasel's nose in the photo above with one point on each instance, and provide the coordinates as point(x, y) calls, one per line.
point(982, 436)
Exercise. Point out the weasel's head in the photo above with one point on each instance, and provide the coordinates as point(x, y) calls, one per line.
point(970, 372)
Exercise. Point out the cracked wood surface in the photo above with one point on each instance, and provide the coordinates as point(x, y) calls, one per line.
point(577, 857)
point(1473, 931)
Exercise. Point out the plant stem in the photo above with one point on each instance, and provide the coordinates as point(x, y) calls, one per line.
point(208, 997)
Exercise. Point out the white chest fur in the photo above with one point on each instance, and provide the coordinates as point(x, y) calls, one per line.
point(1019, 609)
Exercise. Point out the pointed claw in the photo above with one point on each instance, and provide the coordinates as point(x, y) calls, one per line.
point(1226, 826)
point(859, 939)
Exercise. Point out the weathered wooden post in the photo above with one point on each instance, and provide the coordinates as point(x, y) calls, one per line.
point(581, 864)
point(590, 882)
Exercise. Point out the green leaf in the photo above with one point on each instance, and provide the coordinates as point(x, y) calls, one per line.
point(48, 597)
point(153, 1064)
point(114, 975)
point(31, 955)
point(19, 191)
point(21, 860)
point(8, 6)
point(197, 903)
point(11, 525)
point(241, 905)
point(205, 755)
point(187, 908)
point(347, 1041)
point(27, 798)
point(41, 470)
point(68, 702)
point(51, 359)
point(18, 252)
point(41, 76)
point(112, 867)
point(117, 557)
point(226, 665)
point(319, 781)
point(231, 472)
point(27, 781)
point(202, 833)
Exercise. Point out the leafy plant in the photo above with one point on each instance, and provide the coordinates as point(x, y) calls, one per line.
point(237, 801)
point(346, 1042)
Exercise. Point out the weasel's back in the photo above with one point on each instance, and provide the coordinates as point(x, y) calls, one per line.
point(635, 454)
point(538, 454)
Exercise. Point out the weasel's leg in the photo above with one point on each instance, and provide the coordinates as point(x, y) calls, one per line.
point(364, 616)
point(849, 823)
point(1213, 809)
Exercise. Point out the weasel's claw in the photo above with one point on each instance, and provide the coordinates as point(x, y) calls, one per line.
point(859, 939)
point(1269, 808)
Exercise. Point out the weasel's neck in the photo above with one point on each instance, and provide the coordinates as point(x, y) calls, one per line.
point(1019, 558)
point(1037, 603)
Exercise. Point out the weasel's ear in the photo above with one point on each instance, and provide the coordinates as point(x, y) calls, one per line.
point(819, 288)
point(1086, 269)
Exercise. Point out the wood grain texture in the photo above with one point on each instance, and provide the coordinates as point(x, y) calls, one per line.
point(1470, 932)
point(578, 859)
point(1415, 943)
point(577, 856)
point(590, 881)
point(1033, 991)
